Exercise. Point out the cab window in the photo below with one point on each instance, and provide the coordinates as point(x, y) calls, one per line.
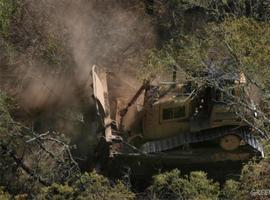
point(173, 113)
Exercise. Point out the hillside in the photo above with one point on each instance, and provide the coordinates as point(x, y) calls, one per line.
point(48, 116)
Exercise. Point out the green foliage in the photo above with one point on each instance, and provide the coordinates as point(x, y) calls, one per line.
point(253, 179)
point(266, 147)
point(159, 62)
point(53, 52)
point(199, 33)
point(243, 41)
point(8, 53)
point(7, 124)
point(57, 192)
point(4, 195)
point(254, 176)
point(94, 186)
point(199, 187)
point(90, 186)
point(6, 121)
point(231, 190)
point(248, 41)
point(171, 185)
point(6, 10)
point(167, 185)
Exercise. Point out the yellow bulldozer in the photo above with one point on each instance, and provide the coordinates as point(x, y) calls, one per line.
point(170, 125)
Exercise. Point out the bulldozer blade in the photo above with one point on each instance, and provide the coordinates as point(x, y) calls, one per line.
point(101, 97)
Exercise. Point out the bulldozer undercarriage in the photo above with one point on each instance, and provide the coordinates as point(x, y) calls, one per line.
point(170, 153)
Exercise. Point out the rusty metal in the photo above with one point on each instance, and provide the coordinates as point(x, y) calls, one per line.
point(124, 111)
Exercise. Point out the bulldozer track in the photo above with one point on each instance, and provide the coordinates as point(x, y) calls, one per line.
point(186, 138)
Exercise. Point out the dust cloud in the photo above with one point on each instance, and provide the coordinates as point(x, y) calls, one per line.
point(112, 34)
point(109, 33)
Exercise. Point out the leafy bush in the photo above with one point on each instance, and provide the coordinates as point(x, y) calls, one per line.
point(90, 186)
point(57, 192)
point(6, 10)
point(4, 195)
point(254, 177)
point(171, 185)
point(230, 190)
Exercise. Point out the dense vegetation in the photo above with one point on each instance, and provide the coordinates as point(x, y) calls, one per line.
point(44, 106)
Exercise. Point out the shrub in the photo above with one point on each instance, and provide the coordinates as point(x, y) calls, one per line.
point(171, 185)
point(57, 192)
point(91, 186)
point(4, 195)
point(254, 177)
point(231, 190)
